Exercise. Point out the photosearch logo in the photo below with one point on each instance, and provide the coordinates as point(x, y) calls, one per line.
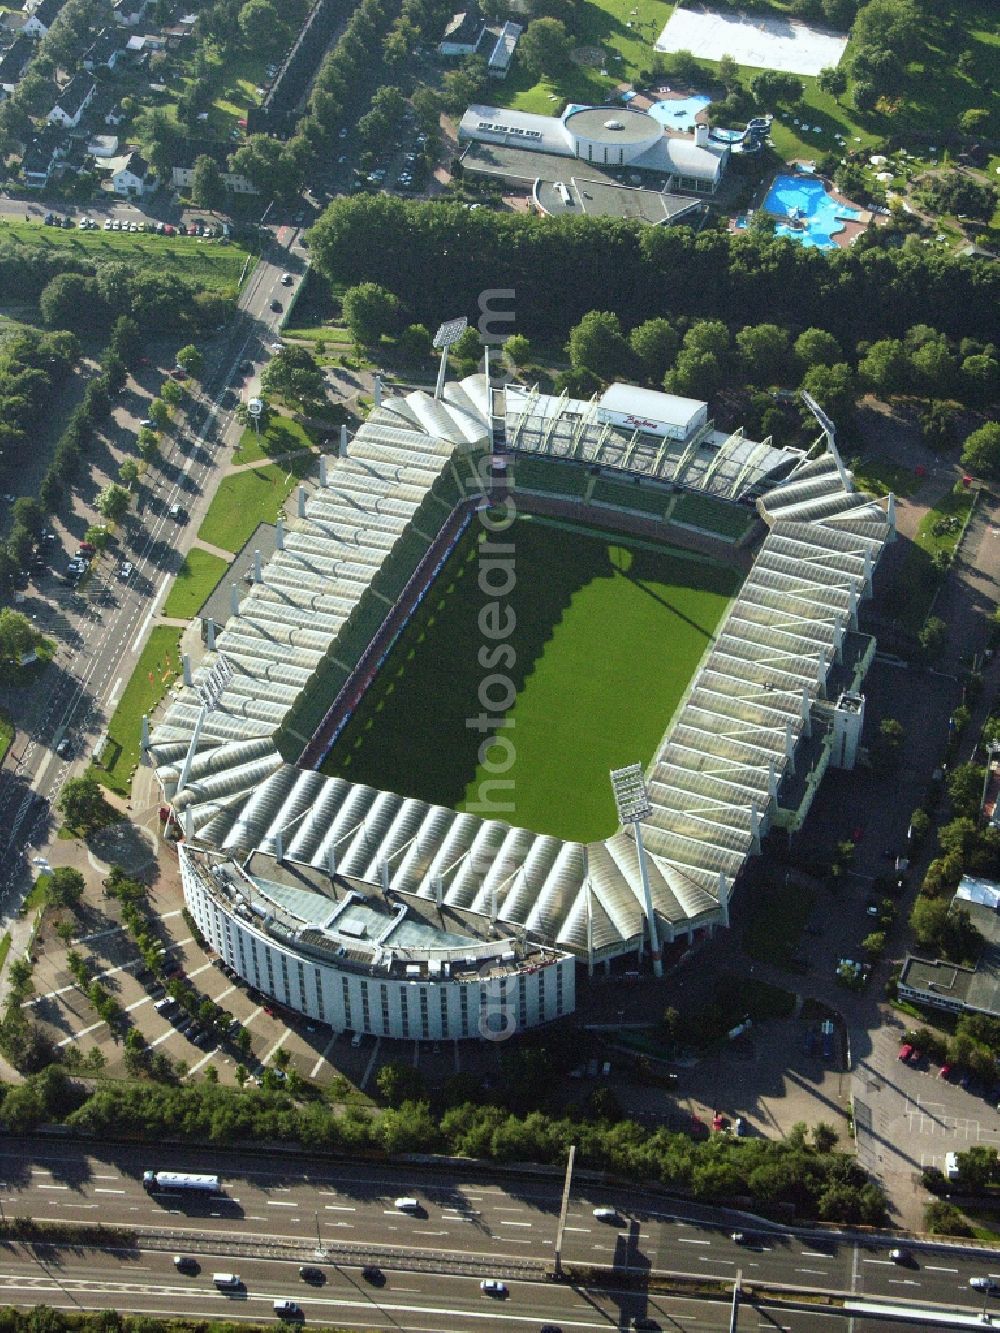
point(497, 1019)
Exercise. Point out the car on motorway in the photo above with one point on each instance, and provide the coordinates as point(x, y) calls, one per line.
point(65, 748)
point(177, 513)
point(550, 1328)
point(988, 1284)
point(186, 1263)
point(276, 305)
point(899, 1256)
point(605, 1214)
point(310, 1273)
point(373, 1275)
point(644, 1323)
point(285, 1309)
point(286, 280)
point(738, 1237)
point(492, 1286)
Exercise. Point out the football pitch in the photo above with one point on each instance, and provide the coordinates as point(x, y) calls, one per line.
point(515, 703)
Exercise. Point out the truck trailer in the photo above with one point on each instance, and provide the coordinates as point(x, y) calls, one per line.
point(181, 1180)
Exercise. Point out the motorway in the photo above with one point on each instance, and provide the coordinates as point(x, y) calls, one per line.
point(275, 1208)
point(98, 653)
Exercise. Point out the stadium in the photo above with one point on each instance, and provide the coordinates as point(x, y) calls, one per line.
point(381, 912)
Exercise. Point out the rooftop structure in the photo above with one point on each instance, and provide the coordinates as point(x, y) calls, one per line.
point(747, 747)
point(604, 138)
point(939, 984)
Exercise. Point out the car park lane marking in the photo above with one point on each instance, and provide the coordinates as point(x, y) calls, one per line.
point(326, 1051)
point(935, 1268)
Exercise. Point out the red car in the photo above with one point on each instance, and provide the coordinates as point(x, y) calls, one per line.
point(945, 1071)
point(268, 1010)
point(905, 1051)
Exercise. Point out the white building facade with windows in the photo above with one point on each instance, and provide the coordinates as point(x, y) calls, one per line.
point(346, 973)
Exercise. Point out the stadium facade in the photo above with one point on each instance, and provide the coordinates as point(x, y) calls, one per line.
point(323, 893)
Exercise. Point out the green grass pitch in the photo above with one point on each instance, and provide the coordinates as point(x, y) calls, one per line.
point(608, 634)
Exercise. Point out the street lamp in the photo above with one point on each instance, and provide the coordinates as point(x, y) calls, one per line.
point(320, 1251)
point(632, 801)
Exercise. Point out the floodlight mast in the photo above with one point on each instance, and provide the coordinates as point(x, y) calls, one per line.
point(449, 332)
point(633, 804)
point(209, 692)
point(827, 427)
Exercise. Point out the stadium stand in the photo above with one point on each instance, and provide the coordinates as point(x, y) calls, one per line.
point(716, 780)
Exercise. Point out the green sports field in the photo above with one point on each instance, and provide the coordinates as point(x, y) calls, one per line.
point(608, 634)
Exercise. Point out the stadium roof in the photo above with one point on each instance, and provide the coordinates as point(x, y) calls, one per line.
point(329, 589)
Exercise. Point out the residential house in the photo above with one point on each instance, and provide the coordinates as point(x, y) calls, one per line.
point(104, 52)
point(41, 18)
point(463, 33)
point(129, 12)
point(73, 102)
point(132, 175)
point(502, 54)
point(40, 160)
point(103, 146)
point(188, 152)
point(14, 61)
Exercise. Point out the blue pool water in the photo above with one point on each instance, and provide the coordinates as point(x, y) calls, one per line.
point(821, 214)
point(679, 113)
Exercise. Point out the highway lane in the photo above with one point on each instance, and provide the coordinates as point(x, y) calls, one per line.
point(147, 1282)
point(116, 617)
point(285, 1200)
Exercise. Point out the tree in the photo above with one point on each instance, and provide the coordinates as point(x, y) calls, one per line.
point(874, 944)
point(270, 165)
point(113, 502)
point(885, 367)
point(655, 343)
point(933, 638)
point(171, 393)
point(65, 887)
point(833, 388)
point(398, 1083)
point(934, 367)
point(27, 513)
point(159, 412)
point(965, 790)
point(72, 301)
point(974, 120)
point(545, 47)
point(774, 87)
point(83, 805)
point(260, 25)
point(817, 347)
point(369, 312)
point(415, 343)
point(192, 360)
point(517, 349)
point(944, 1219)
point(147, 442)
point(981, 451)
point(128, 473)
point(888, 746)
point(764, 352)
point(728, 73)
point(833, 80)
point(208, 189)
point(18, 637)
point(596, 344)
point(295, 375)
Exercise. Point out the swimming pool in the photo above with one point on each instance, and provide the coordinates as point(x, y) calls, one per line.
point(806, 200)
point(679, 113)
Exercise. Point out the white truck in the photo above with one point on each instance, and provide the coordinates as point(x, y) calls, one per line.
point(181, 1180)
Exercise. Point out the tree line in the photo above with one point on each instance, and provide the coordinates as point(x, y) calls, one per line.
point(439, 258)
point(801, 1171)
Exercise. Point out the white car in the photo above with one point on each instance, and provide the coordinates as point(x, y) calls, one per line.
point(492, 1286)
point(126, 569)
point(984, 1284)
point(286, 280)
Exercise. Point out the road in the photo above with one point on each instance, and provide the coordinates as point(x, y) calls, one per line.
point(146, 1282)
point(97, 660)
point(274, 1207)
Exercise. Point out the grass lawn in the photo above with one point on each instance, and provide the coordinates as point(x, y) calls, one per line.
point(878, 477)
point(5, 944)
point(335, 336)
point(195, 579)
point(6, 734)
point(282, 436)
point(207, 264)
point(918, 578)
point(245, 499)
point(777, 916)
point(234, 83)
point(608, 635)
point(156, 668)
